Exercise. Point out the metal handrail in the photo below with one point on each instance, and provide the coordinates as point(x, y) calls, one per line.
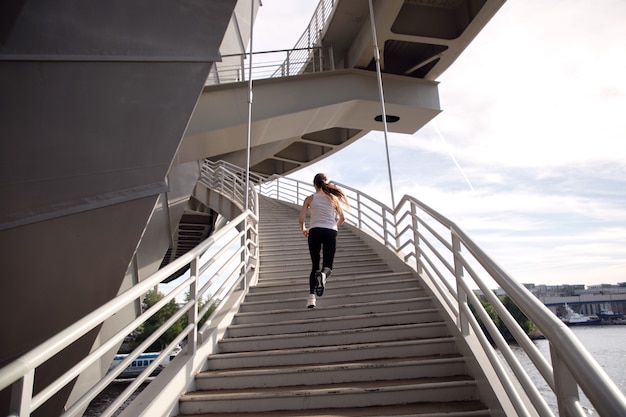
point(448, 261)
point(234, 264)
point(307, 56)
point(453, 266)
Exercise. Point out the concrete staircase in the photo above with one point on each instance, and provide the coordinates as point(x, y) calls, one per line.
point(374, 346)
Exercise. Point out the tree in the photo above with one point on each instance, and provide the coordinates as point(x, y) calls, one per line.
point(153, 323)
point(513, 309)
point(201, 304)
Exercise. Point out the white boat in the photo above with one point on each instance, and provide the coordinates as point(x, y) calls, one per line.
point(572, 318)
point(608, 315)
point(141, 363)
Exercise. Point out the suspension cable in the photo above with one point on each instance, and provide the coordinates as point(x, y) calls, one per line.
point(382, 98)
point(249, 132)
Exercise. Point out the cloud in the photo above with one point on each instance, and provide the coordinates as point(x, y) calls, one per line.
point(280, 23)
point(533, 115)
point(543, 85)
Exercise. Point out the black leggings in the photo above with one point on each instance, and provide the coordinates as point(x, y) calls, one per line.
point(320, 238)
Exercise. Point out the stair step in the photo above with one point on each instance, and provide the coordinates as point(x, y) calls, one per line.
point(334, 287)
point(330, 300)
point(339, 353)
point(365, 267)
point(335, 279)
point(334, 337)
point(429, 409)
point(365, 394)
point(386, 369)
point(358, 321)
point(272, 316)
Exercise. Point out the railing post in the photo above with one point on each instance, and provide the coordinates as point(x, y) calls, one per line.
point(242, 70)
point(385, 232)
point(22, 395)
point(297, 192)
point(462, 323)
point(358, 205)
point(320, 53)
point(565, 386)
point(193, 312)
point(395, 229)
point(245, 256)
point(416, 241)
point(331, 58)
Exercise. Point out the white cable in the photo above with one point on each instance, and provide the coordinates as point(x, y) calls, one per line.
point(382, 99)
point(249, 133)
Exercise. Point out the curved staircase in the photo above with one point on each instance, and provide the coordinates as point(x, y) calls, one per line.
point(374, 346)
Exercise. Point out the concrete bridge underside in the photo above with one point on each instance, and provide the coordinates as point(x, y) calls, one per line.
point(299, 120)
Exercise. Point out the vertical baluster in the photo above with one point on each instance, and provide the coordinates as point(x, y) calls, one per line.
point(193, 312)
point(416, 241)
point(22, 395)
point(462, 321)
point(566, 388)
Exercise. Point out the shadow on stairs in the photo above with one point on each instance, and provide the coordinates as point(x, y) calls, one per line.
point(374, 346)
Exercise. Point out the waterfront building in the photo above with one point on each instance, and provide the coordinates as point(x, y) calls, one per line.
point(588, 300)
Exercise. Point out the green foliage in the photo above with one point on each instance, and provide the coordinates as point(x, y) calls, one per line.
point(201, 304)
point(160, 317)
point(513, 309)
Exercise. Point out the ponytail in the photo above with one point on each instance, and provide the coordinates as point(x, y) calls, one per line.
point(335, 194)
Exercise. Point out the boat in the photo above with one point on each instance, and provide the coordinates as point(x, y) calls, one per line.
point(608, 315)
point(572, 318)
point(125, 164)
point(141, 363)
point(137, 366)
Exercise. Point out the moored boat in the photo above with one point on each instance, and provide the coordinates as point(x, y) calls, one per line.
point(137, 366)
point(573, 318)
point(607, 314)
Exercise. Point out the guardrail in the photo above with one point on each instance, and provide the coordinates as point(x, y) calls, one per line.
point(448, 261)
point(307, 56)
point(452, 265)
point(221, 263)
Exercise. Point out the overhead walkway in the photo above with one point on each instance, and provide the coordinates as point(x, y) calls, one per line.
point(322, 95)
point(375, 344)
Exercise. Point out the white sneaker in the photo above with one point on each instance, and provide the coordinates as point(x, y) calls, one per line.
point(310, 302)
point(321, 283)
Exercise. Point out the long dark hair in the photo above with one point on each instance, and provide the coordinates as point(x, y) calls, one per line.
point(331, 190)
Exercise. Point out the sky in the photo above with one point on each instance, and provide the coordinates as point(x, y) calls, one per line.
point(528, 156)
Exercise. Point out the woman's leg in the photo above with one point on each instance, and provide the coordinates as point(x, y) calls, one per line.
point(329, 248)
point(315, 246)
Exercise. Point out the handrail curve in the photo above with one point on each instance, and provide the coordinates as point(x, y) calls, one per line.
point(417, 234)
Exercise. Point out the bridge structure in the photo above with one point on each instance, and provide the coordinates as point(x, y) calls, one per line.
point(114, 111)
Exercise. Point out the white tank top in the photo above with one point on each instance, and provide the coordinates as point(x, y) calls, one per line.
point(322, 212)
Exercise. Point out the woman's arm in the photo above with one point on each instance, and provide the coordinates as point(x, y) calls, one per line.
point(302, 217)
point(340, 216)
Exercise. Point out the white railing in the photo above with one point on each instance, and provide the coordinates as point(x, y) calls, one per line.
point(307, 56)
point(270, 64)
point(450, 264)
point(223, 262)
point(453, 266)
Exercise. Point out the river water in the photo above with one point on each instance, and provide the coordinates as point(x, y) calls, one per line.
point(607, 344)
